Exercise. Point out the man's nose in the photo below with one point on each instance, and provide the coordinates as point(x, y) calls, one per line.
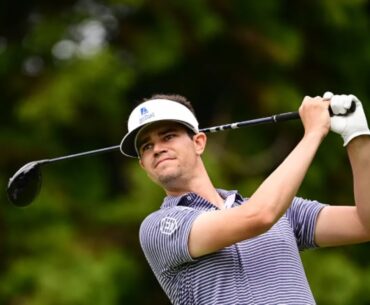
point(158, 148)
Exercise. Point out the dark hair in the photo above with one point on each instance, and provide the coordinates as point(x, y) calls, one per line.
point(173, 97)
point(176, 98)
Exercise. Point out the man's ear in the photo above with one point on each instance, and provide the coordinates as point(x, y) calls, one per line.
point(141, 163)
point(200, 141)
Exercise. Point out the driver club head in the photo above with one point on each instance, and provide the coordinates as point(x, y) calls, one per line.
point(25, 184)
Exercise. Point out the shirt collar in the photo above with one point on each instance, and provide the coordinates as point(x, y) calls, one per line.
point(188, 198)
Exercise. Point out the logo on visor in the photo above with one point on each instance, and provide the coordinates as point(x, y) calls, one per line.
point(143, 111)
point(145, 115)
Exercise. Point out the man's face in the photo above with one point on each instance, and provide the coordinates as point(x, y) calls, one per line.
point(168, 154)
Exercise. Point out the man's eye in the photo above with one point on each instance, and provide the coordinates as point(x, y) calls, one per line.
point(146, 147)
point(169, 136)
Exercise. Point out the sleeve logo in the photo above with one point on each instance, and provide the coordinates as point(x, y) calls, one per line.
point(168, 225)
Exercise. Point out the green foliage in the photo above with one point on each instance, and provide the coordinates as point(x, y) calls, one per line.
point(82, 87)
point(69, 276)
point(70, 73)
point(335, 278)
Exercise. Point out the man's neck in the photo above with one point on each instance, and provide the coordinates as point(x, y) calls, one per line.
point(201, 186)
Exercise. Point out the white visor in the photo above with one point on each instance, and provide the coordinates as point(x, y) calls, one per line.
point(154, 111)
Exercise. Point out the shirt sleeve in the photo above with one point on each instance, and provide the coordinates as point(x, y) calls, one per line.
point(302, 216)
point(164, 237)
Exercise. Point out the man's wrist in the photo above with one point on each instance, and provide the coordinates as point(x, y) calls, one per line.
point(358, 134)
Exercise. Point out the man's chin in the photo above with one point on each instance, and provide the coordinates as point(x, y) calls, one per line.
point(168, 179)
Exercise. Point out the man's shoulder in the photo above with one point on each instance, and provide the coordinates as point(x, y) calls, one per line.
point(166, 212)
point(175, 216)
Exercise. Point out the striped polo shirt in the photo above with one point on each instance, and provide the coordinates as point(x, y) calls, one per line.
point(265, 269)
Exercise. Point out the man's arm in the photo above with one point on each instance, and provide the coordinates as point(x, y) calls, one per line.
point(341, 225)
point(215, 230)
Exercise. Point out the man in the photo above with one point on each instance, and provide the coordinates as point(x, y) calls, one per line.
point(212, 246)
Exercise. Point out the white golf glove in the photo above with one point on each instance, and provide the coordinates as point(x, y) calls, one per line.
point(351, 125)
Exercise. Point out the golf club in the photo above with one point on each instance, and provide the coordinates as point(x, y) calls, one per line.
point(25, 184)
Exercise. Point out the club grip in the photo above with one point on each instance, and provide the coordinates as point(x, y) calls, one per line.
point(286, 116)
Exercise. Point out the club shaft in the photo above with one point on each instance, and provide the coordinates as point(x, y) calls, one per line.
point(82, 154)
point(271, 119)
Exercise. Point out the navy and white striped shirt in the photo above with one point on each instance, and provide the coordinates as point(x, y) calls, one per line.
point(266, 269)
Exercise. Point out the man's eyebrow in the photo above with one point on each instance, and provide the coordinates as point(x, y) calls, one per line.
point(142, 141)
point(167, 130)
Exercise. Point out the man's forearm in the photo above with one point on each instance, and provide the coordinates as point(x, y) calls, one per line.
point(359, 155)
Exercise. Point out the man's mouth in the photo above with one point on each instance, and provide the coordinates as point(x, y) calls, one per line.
point(162, 160)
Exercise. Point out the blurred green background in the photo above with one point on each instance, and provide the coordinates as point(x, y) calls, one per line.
point(70, 71)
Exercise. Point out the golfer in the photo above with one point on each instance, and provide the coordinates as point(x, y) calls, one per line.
point(210, 246)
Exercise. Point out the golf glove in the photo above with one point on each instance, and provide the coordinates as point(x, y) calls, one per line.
point(349, 125)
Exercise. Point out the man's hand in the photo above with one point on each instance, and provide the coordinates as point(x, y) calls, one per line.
point(351, 125)
point(315, 115)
